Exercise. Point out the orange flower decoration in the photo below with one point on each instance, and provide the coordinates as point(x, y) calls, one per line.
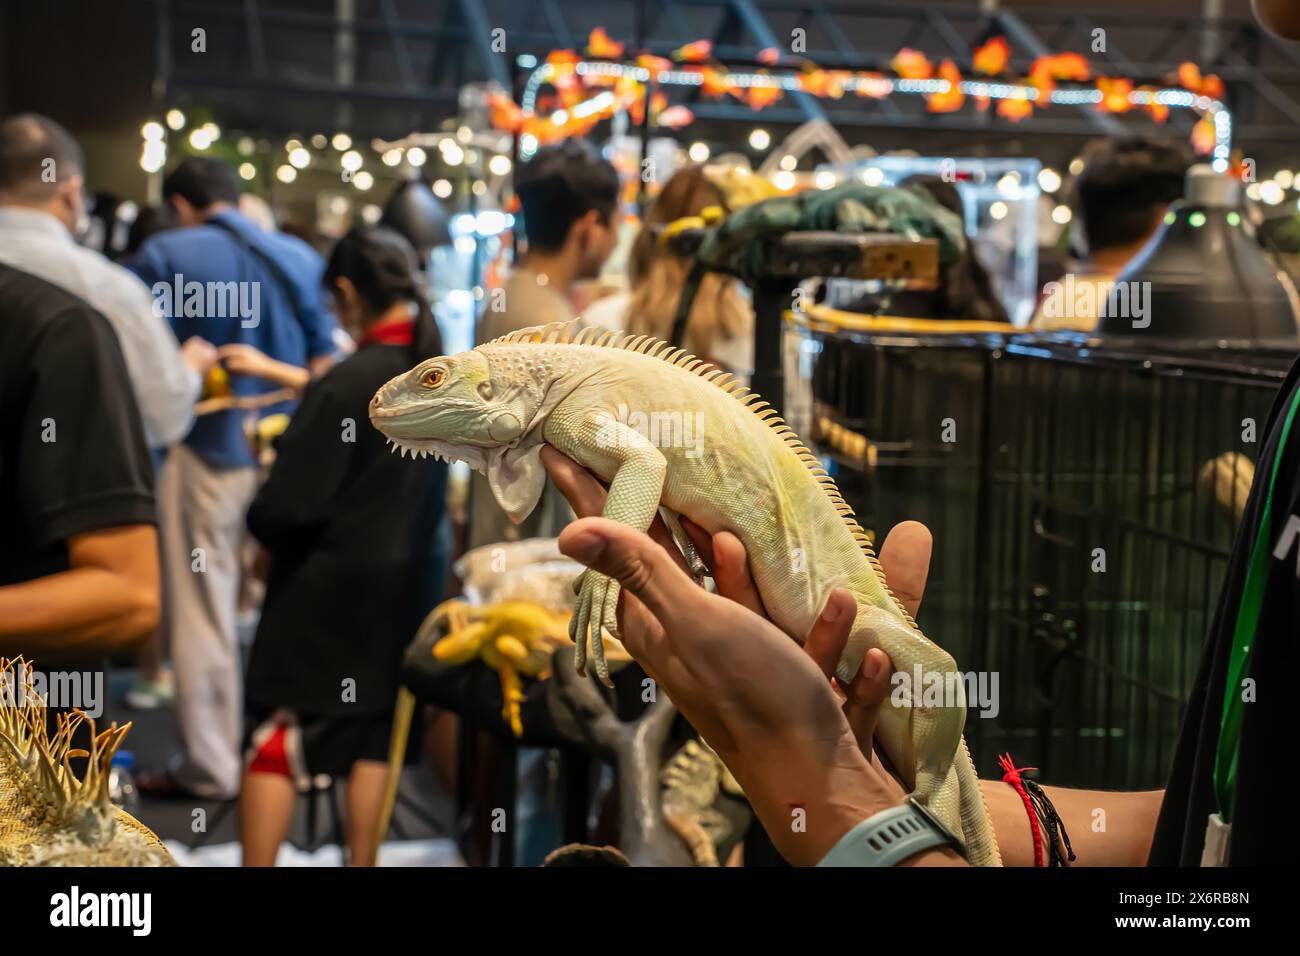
point(1114, 94)
point(1158, 111)
point(600, 44)
point(1203, 137)
point(823, 82)
point(675, 117)
point(654, 64)
point(1015, 108)
point(951, 100)
point(693, 52)
point(504, 113)
point(1047, 70)
point(912, 65)
point(991, 58)
point(760, 97)
point(1189, 76)
point(562, 59)
point(716, 83)
point(1069, 66)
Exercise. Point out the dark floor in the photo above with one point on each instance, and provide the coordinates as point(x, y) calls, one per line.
point(424, 808)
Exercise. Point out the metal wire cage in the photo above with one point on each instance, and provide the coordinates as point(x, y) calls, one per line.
point(1083, 501)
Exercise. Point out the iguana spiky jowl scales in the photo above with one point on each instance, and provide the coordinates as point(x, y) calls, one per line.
point(740, 469)
point(48, 815)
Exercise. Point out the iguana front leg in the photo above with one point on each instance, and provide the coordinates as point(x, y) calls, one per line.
point(637, 469)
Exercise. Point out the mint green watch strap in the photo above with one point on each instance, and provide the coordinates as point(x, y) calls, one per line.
point(887, 838)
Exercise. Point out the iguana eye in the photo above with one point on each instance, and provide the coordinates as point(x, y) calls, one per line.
point(432, 378)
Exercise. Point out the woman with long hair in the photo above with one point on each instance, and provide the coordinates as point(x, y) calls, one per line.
point(358, 551)
point(720, 328)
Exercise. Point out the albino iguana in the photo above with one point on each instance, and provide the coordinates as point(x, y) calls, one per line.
point(667, 430)
point(49, 817)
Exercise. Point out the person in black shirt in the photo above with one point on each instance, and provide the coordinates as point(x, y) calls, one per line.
point(78, 548)
point(358, 552)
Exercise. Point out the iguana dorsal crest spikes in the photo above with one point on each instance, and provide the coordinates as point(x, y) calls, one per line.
point(562, 333)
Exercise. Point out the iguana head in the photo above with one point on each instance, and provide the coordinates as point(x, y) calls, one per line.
point(456, 407)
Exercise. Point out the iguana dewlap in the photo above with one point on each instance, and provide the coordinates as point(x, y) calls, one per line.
point(664, 429)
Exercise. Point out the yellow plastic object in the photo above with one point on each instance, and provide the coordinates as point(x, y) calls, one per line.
point(678, 226)
point(822, 318)
point(514, 638)
point(216, 384)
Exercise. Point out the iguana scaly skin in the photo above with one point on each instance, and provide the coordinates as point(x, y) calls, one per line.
point(742, 470)
point(49, 817)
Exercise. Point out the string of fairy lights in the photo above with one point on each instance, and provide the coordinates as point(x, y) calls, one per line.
point(871, 86)
point(464, 157)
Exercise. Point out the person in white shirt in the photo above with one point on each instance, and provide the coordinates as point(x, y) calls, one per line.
point(42, 206)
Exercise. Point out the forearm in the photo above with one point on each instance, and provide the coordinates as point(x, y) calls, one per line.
point(1106, 828)
point(283, 373)
point(319, 365)
point(84, 610)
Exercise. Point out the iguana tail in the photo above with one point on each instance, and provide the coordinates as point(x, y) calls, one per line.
point(976, 824)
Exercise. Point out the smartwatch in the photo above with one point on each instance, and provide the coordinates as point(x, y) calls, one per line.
point(891, 836)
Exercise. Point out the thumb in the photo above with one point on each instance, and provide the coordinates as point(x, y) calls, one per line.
point(635, 561)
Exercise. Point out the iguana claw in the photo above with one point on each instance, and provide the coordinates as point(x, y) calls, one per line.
point(595, 608)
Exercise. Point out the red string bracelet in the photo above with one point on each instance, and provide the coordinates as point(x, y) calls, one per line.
point(1011, 774)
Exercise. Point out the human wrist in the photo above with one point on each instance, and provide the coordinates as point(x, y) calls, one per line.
point(806, 821)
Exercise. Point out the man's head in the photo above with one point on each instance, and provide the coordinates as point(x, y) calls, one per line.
point(569, 198)
point(41, 167)
point(200, 186)
point(1124, 189)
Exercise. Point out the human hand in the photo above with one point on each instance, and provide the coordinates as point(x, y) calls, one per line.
point(242, 359)
point(766, 705)
point(904, 558)
point(199, 354)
